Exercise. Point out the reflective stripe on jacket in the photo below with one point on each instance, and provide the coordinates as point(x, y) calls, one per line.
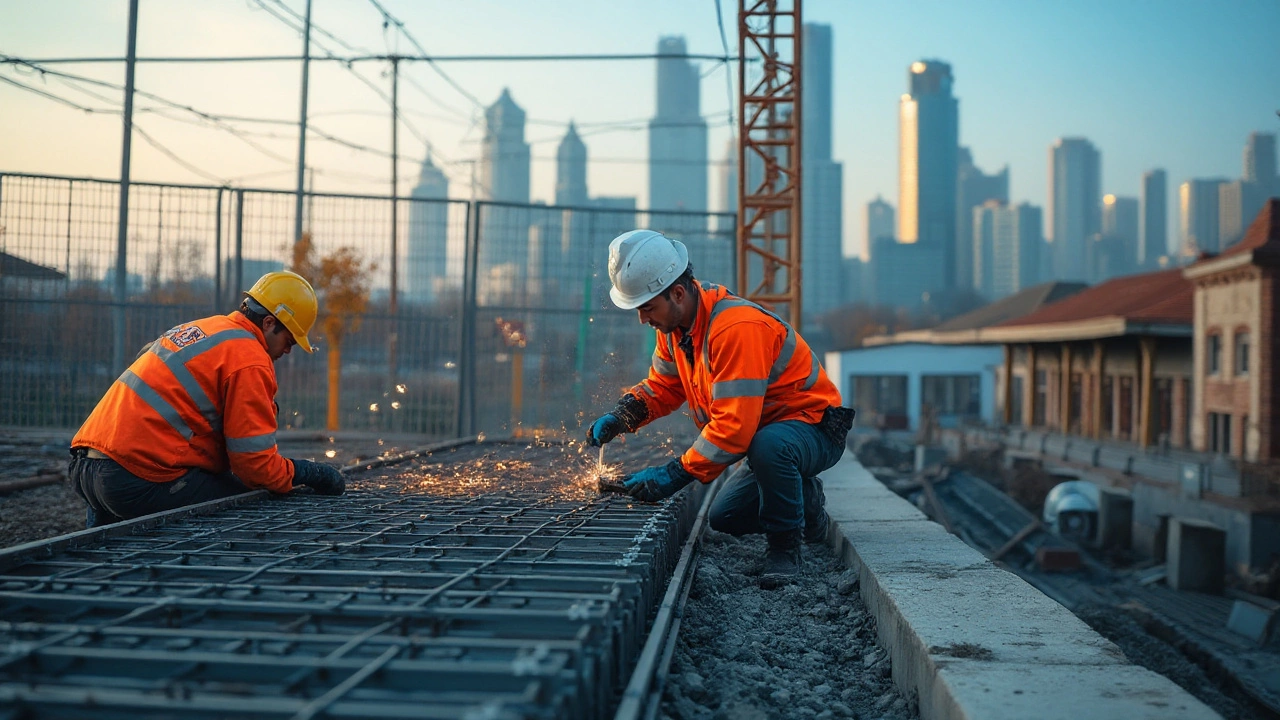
point(202, 396)
point(747, 369)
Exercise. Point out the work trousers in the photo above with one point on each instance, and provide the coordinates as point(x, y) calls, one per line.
point(766, 493)
point(113, 494)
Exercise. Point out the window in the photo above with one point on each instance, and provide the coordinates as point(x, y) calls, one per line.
point(1213, 354)
point(881, 399)
point(1042, 396)
point(1108, 405)
point(1015, 416)
point(1220, 433)
point(1242, 353)
point(956, 395)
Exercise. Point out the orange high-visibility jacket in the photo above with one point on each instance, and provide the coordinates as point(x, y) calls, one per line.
point(202, 396)
point(749, 369)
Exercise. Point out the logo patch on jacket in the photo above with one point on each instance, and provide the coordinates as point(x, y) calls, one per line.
point(185, 335)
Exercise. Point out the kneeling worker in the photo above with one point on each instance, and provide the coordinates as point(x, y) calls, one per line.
point(755, 391)
point(194, 417)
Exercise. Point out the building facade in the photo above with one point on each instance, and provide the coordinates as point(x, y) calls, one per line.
point(928, 150)
point(431, 259)
point(1006, 248)
point(974, 188)
point(504, 162)
point(1155, 219)
point(1198, 216)
point(822, 189)
point(677, 134)
point(1075, 206)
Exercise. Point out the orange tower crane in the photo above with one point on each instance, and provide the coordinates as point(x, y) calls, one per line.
point(769, 220)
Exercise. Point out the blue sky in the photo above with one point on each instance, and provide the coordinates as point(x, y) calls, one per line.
point(1176, 84)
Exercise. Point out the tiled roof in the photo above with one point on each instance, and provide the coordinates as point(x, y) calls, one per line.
point(1158, 297)
point(1263, 233)
point(1016, 305)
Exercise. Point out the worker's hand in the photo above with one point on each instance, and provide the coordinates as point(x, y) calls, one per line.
point(324, 479)
point(606, 428)
point(658, 482)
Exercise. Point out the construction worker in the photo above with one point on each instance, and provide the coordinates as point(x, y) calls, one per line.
point(194, 417)
point(754, 389)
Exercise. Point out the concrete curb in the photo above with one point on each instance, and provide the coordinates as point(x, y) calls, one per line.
point(971, 640)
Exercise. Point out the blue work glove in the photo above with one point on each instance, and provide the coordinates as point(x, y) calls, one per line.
point(658, 482)
point(603, 430)
point(324, 479)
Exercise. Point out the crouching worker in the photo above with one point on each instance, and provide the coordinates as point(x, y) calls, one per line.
point(193, 419)
point(754, 388)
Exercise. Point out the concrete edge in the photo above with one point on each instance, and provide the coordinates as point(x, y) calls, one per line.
point(970, 640)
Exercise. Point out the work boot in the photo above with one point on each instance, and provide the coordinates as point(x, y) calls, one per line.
point(816, 520)
point(782, 561)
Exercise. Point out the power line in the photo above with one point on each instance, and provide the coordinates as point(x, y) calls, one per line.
point(387, 17)
point(728, 76)
point(432, 59)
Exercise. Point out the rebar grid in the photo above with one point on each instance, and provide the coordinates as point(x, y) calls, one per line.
point(387, 605)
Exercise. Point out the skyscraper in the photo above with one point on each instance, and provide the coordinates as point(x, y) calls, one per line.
point(1198, 212)
point(975, 188)
point(823, 179)
point(1007, 242)
point(571, 170)
point(880, 220)
point(1075, 205)
point(1155, 223)
point(677, 135)
point(929, 131)
point(504, 162)
point(1260, 165)
point(1120, 220)
point(430, 262)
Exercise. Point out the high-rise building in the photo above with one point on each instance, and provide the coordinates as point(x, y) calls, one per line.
point(1075, 205)
point(677, 135)
point(430, 263)
point(823, 180)
point(1155, 219)
point(880, 220)
point(929, 132)
point(504, 161)
point(901, 274)
point(1238, 203)
point(571, 170)
point(1006, 253)
point(1120, 221)
point(1260, 165)
point(975, 188)
point(1198, 212)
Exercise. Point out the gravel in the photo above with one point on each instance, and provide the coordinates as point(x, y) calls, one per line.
point(806, 650)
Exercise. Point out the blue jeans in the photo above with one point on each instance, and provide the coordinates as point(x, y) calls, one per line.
point(766, 494)
point(113, 494)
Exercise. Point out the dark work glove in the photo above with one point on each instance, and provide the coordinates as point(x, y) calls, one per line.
point(658, 482)
point(324, 479)
point(606, 428)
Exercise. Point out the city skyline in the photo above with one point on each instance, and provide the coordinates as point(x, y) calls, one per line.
point(1019, 76)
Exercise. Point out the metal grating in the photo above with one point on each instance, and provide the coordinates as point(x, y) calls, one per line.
point(380, 605)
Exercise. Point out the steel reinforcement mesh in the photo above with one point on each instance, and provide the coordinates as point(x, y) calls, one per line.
point(529, 601)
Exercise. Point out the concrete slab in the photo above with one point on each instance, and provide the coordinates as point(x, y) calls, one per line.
point(972, 640)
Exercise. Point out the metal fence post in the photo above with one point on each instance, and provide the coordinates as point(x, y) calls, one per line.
point(467, 344)
point(238, 274)
point(217, 255)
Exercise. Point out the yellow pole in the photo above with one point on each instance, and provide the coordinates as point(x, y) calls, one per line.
point(335, 374)
point(517, 389)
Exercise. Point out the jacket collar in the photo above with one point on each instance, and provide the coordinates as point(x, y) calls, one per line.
point(238, 318)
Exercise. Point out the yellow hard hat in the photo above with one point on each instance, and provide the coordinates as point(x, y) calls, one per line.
point(290, 298)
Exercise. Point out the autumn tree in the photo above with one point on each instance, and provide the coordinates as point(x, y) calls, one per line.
point(341, 280)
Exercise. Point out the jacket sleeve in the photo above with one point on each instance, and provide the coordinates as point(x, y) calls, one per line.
point(741, 353)
point(662, 392)
point(249, 426)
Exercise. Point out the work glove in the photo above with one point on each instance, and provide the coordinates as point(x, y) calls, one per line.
point(658, 482)
point(606, 428)
point(324, 479)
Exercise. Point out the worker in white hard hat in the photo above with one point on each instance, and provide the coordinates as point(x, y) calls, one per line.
point(194, 417)
point(754, 388)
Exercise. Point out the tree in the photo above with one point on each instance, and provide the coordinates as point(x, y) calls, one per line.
point(341, 280)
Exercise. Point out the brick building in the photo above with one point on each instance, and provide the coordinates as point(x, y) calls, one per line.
point(1235, 333)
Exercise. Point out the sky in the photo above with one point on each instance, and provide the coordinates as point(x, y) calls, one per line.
point(1174, 84)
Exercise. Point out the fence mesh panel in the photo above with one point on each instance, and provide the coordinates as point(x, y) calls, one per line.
point(501, 318)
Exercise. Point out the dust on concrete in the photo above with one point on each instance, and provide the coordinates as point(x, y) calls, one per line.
point(963, 650)
point(806, 650)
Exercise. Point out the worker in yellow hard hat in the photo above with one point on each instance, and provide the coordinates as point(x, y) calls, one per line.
point(194, 417)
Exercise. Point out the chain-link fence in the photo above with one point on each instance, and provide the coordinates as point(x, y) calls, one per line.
point(481, 316)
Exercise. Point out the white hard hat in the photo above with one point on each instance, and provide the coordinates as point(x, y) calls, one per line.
point(643, 263)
